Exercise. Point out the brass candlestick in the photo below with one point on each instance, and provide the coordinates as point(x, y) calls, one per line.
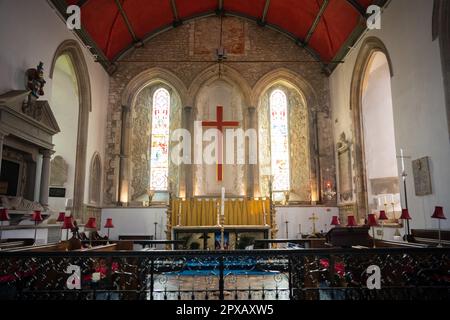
point(151, 194)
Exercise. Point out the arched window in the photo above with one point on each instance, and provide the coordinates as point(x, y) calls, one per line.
point(159, 161)
point(279, 135)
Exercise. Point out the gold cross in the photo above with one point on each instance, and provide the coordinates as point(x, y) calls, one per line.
point(314, 218)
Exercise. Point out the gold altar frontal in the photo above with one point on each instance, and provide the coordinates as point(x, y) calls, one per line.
point(199, 222)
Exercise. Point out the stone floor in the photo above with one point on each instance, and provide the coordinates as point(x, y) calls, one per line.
point(246, 287)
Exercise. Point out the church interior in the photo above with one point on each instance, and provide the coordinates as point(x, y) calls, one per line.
point(224, 149)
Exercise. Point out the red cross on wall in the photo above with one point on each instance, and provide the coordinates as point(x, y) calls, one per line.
point(219, 124)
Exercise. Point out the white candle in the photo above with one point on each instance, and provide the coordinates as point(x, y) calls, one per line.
point(403, 160)
point(222, 211)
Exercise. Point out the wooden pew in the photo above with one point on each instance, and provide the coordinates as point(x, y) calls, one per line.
point(431, 237)
point(15, 243)
point(62, 246)
point(398, 244)
point(113, 246)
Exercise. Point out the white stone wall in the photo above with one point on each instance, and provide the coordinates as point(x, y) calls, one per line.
point(31, 32)
point(418, 100)
point(135, 222)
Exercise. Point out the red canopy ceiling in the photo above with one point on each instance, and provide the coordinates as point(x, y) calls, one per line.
point(106, 22)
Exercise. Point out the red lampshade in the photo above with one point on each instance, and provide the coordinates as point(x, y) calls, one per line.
point(91, 224)
point(109, 224)
point(351, 221)
point(405, 215)
point(372, 220)
point(4, 215)
point(37, 216)
point(61, 217)
point(68, 223)
point(439, 213)
point(335, 221)
point(383, 215)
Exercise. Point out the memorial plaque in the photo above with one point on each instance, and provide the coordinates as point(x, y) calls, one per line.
point(422, 176)
point(57, 192)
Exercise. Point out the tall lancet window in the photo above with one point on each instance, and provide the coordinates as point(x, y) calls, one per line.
point(159, 165)
point(279, 133)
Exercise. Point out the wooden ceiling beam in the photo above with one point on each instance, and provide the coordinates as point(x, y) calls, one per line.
point(263, 19)
point(81, 3)
point(313, 28)
point(124, 15)
point(176, 17)
point(355, 4)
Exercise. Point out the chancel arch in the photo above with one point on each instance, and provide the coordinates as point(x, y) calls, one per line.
point(69, 60)
point(372, 50)
point(138, 137)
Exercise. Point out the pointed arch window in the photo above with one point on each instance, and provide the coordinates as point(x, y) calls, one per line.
point(159, 163)
point(279, 134)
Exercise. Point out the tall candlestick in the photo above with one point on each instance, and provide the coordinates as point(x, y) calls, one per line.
point(264, 212)
point(180, 212)
point(403, 160)
point(222, 209)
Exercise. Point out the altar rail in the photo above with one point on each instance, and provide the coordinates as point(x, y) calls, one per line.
point(325, 274)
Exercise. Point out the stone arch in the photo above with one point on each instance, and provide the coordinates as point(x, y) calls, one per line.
point(148, 77)
point(213, 73)
point(72, 49)
point(441, 26)
point(288, 78)
point(369, 47)
point(134, 87)
point(95, 180)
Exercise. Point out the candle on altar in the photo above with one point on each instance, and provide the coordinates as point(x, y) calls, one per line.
point(264, 212)
point(222, 209)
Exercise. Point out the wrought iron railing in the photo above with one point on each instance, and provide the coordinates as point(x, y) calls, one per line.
point(235, 275)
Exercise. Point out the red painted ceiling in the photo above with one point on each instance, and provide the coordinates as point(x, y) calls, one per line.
point(102, 20)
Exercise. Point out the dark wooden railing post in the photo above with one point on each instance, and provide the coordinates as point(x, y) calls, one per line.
point(291, 288)
point(152, 278)
point(221, 279)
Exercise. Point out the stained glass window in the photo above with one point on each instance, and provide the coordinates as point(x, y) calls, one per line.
point(159, 165)
point(279, 132)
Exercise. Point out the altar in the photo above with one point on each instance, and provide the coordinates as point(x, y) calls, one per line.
point(214, 224)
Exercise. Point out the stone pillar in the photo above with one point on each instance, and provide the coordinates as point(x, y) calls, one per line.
point(188, 124)
point(251, 167)
point(45, 176)
point(123, 164)
point(2, 138)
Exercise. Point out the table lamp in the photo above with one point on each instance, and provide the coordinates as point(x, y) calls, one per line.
point(405, 216)
point(3, 217)
point(439, 214)
point(335, 221)
point(60, 219)
point(90, 226)
point(37, 217)
point(109, 225)
point(383, 217)
point(351, 221)
point(372, 222)
point(68, 225)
